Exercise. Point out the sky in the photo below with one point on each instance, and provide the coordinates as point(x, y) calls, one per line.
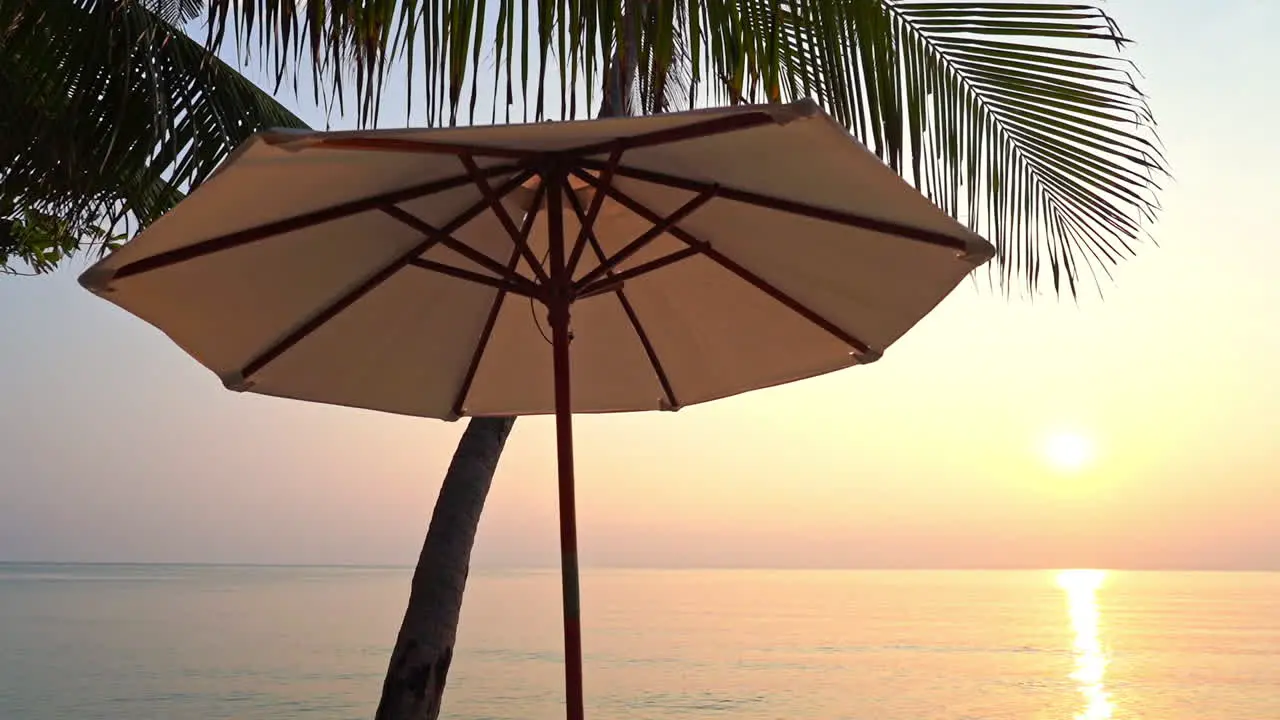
point(116, 446)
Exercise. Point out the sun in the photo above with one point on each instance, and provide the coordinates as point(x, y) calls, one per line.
point(1069, 452)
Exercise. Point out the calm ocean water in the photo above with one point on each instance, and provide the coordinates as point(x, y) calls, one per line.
point(207, 643)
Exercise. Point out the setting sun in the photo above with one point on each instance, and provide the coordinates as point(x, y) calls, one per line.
point(1069, 451)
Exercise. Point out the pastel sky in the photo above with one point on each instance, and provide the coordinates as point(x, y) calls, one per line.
point(115, 446)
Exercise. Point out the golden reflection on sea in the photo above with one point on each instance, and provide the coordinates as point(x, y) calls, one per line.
point(1082, 587)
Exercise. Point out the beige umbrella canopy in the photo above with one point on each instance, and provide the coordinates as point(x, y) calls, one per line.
point(596, 266)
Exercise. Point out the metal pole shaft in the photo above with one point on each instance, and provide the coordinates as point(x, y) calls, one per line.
point(558, 309)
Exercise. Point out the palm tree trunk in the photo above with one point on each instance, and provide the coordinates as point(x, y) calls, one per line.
point(415, 681)
point(420, 661)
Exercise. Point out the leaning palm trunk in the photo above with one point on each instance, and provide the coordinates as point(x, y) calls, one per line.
point(414, 686)
point(420, 661)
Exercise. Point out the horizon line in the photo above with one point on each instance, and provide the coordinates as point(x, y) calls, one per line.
point(692, 568)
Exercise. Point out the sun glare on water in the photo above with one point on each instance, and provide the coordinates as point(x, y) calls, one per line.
point(1069, 452)
point(1082, 587)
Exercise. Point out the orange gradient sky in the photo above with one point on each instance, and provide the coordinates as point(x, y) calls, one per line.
point(115, 446)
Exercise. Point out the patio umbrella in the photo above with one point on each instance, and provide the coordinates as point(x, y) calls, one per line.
point(573, 267)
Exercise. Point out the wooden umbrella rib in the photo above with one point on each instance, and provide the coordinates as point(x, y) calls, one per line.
point(503, 216)
point(473, 366)
point(316, 321)
point(795, 305)
point(593, 212)
point(649, 351)
point(660, 226)
point(461, 248)
point(759, 283)
point(792, 207)
point(428, 147)
point(467, 275)
point(635, 272)
point(300, 222)
point(691, 131)
point(331, 311)
point(627, 308)
point(666, 136)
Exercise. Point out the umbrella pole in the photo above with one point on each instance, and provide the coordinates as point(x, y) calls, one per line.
point(558, 304)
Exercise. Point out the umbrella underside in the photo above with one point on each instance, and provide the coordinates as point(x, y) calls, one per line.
point(684, 289)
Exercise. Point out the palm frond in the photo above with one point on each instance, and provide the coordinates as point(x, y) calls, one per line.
point(1020, 117)
point(175, 12)
point(1020, 123)
point(109, 112)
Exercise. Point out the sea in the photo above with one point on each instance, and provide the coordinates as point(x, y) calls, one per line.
point(178, 642)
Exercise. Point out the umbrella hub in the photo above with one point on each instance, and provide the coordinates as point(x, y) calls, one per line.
point(529, 194)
